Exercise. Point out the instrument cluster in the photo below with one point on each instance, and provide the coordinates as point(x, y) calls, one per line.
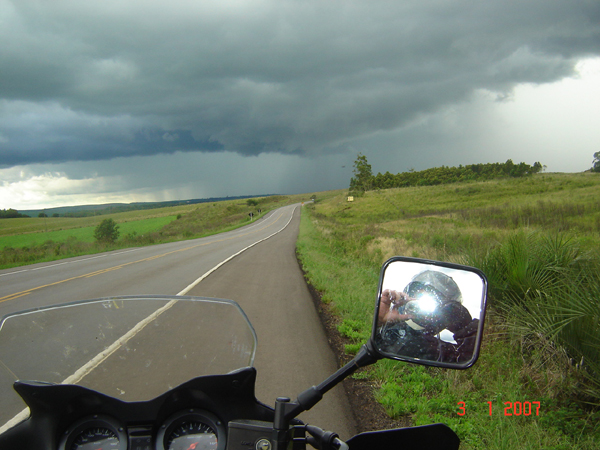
point(188, 429)
point(205, 413)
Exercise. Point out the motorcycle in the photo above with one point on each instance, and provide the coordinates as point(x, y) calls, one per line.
point(115, 373)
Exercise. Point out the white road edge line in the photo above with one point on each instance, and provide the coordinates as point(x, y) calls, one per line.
point(195, 283)
point(102, 356)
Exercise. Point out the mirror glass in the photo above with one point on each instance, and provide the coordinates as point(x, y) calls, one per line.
point(429, 312)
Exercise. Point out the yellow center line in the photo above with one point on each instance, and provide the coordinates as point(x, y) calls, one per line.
point(120, 266)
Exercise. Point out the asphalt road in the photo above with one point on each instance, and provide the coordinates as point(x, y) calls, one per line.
point(159, 269)
point(260, 272)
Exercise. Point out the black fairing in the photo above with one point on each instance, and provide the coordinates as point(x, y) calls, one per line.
point(429, 437)
point(54, 408)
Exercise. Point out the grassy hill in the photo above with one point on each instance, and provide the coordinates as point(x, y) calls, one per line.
point(538, 241)
point(112, 208)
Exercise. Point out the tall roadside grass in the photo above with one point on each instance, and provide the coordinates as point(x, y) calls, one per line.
point(348, 285)
point(541, 338)
point(548, 288)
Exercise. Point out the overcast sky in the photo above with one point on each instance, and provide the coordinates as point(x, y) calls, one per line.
point(121, 101)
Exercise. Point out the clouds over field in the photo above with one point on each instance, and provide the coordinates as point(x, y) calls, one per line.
point(310, 81)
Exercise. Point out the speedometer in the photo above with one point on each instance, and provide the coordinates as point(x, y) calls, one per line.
point(192, 435)
point(192, 430)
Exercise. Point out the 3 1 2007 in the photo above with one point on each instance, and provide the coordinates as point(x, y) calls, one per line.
point(510, 408)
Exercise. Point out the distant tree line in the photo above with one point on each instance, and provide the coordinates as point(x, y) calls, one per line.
point(11, 214)
point(363, 179)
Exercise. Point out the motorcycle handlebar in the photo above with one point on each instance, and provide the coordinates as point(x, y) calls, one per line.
point(340, 445)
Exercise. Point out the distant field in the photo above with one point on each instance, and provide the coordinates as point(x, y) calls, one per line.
point(48, 224)
point(84, 234)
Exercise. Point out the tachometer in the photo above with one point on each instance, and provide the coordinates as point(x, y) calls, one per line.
point(94, 433)
point(94, 439)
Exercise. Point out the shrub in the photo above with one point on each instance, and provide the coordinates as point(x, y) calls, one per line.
point(107, 231)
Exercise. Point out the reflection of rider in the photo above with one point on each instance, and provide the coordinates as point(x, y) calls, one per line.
point(411, 321)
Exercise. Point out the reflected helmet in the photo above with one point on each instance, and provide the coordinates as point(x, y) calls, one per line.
point(430, 291)
point(435, 285)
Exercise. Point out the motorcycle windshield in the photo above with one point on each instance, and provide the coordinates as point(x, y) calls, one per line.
point(131, 348)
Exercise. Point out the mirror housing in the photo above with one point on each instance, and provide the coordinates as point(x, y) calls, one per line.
point(429, 313)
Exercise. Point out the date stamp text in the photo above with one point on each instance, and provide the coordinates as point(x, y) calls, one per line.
point(510, 408)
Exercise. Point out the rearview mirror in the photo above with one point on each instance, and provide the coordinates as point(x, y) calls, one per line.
point(429, 313)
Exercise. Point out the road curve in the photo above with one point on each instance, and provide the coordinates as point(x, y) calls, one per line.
point(158, 269)
point(256, 267)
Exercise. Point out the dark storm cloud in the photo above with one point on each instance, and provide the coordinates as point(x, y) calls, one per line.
point(97, 80)
point(69, 148)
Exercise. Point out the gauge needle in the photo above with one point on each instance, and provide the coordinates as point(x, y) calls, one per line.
point(192, 446)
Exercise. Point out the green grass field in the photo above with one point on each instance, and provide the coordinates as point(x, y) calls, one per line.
point(38, 224)
point(27, 241)
point(83, 234)
point(538, 240)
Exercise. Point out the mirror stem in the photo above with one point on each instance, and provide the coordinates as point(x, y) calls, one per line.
point(313, 395)
point(363, 358)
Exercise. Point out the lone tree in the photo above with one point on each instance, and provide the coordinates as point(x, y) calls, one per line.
point(596, 166)
point(107, 231)
point(363, 175)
